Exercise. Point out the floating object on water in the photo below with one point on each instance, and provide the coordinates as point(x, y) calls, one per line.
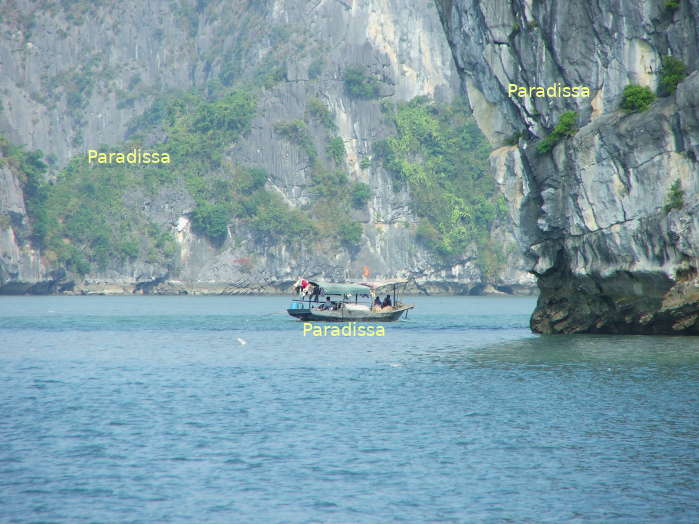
point(241, 341)
point(342, 304)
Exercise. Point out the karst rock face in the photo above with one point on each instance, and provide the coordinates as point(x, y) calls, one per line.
point(608, 255)
point(74, 76)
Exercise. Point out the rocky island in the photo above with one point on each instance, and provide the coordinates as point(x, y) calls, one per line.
point(603, 190)
point(302, 138)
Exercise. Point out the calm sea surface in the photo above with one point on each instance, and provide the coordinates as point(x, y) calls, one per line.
point(218, 409)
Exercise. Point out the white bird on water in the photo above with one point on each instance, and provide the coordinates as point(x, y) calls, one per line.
point(241, 341)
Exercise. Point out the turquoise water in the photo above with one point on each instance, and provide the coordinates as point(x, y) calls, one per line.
point(149, 409)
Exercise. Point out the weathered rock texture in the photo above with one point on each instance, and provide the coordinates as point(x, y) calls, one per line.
point(74, 77)
point(19, 263)
point(607, 257)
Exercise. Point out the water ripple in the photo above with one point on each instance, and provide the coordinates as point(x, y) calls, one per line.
point(146, 409)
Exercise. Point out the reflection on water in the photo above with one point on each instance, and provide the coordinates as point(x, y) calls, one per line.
point(571, 350)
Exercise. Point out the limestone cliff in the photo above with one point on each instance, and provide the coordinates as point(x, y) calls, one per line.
point(77, 74)
point(611, 249)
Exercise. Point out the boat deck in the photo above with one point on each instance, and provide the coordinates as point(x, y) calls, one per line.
point(348, 314)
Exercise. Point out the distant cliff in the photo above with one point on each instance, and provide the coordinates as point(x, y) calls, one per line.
point(605, 198)
point(250, 214)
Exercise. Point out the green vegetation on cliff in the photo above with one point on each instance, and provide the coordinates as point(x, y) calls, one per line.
point(29, 164)
point(672, 73)
point(296, 132)
point(359, 83)
point(198, 131)
point(360, 194)
point(336, 150)
point(442, 156)
point(567, 126)
point(88, 219)
point(350, 234)
point(84, 220)
point(225, 194)
point(320, 112)
point(636, 98)
point(675, 197)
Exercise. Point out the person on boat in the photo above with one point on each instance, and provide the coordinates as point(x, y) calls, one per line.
point(327, 305)
point(377, 303)
point(315, 293)
point(386, 301)
point(301, 287)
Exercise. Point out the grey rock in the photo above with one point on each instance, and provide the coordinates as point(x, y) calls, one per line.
point(129, 51)
point(607, 257)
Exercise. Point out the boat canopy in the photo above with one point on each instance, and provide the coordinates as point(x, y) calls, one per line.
point(378, 284)
point(328, 288)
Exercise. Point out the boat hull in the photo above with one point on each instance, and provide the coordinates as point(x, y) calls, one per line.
point(317, 315)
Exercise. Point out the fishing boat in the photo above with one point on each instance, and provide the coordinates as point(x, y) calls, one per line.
point(330, 302)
